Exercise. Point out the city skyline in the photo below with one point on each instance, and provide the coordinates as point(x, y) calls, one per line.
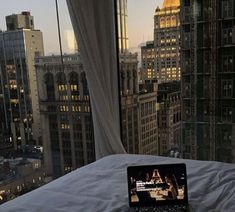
point(169, 91)
point(140, 15)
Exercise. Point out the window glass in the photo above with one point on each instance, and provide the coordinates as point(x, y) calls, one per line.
point(176, 68)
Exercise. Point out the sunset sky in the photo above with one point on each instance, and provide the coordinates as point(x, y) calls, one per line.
point(140, 21)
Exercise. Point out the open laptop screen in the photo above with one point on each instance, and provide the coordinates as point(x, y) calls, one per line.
point(157, 185)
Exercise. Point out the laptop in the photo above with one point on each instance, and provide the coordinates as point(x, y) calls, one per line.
point(158, 188)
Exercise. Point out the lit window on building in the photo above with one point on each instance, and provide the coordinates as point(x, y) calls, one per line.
point(62, 87)
point(162, 23)
point(65, 126)
point(168, 22)
point(76, 108)
point(14, 101)
point(64, 108)
point(173, 21)
point(74, 87)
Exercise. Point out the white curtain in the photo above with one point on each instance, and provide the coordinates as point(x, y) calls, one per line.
point(94, 26)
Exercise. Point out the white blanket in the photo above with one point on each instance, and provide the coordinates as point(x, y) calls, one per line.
point(102, 186)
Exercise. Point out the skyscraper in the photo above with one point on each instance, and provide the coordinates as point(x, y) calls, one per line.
point(122, 25)
point(208, 74)
point(18, 47)
point(167, 41)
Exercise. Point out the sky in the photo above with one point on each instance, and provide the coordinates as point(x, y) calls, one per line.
point(140, 21)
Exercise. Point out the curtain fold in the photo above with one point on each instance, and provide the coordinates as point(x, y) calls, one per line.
point(94, 26)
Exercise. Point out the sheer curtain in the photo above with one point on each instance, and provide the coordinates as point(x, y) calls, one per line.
point(94, 26)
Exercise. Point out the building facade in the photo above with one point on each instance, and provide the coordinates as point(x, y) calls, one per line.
point(167, 41)
point(139, 133)
point(208, 74)
point(148, 118)
point(129, 102)
point(147, 70)
point(65, 114)
point(169, 117)
point(19, 97)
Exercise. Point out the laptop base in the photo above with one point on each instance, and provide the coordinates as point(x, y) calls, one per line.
point(171, 208)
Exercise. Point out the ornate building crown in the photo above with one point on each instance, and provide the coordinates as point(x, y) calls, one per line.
point(171, 3)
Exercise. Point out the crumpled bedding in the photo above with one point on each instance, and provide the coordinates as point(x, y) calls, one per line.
point(102, 186)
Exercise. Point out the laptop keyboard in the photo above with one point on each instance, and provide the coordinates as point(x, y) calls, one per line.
point(171, 208)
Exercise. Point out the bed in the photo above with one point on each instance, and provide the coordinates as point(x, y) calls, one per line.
point(102, 186)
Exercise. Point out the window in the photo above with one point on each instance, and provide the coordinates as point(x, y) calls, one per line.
point(151, 112)
point(228, 64)
point(186, 3)
point(64, 108)
point(227, 36)
point(168, 22)
point(227, 8)
point(226, 115)
point(226, 88)
point(162, 23)
point(62, 87)
point(173, 21)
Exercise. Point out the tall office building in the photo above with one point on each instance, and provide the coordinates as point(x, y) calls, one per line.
point(147, 71)
point(122, 25)
point(139, 113)
point(65, 114)
point(167, 41)
point(208, 74)
point(19, 97)
point(169, 117)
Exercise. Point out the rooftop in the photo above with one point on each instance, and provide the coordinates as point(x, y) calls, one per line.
point(171, 3)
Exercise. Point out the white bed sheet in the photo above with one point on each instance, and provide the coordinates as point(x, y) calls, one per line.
point(102, 186)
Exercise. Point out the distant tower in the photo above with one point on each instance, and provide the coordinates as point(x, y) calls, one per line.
point(122, 25)
point(167, 41)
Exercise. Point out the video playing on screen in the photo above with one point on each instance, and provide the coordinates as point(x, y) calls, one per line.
point(157, 184)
